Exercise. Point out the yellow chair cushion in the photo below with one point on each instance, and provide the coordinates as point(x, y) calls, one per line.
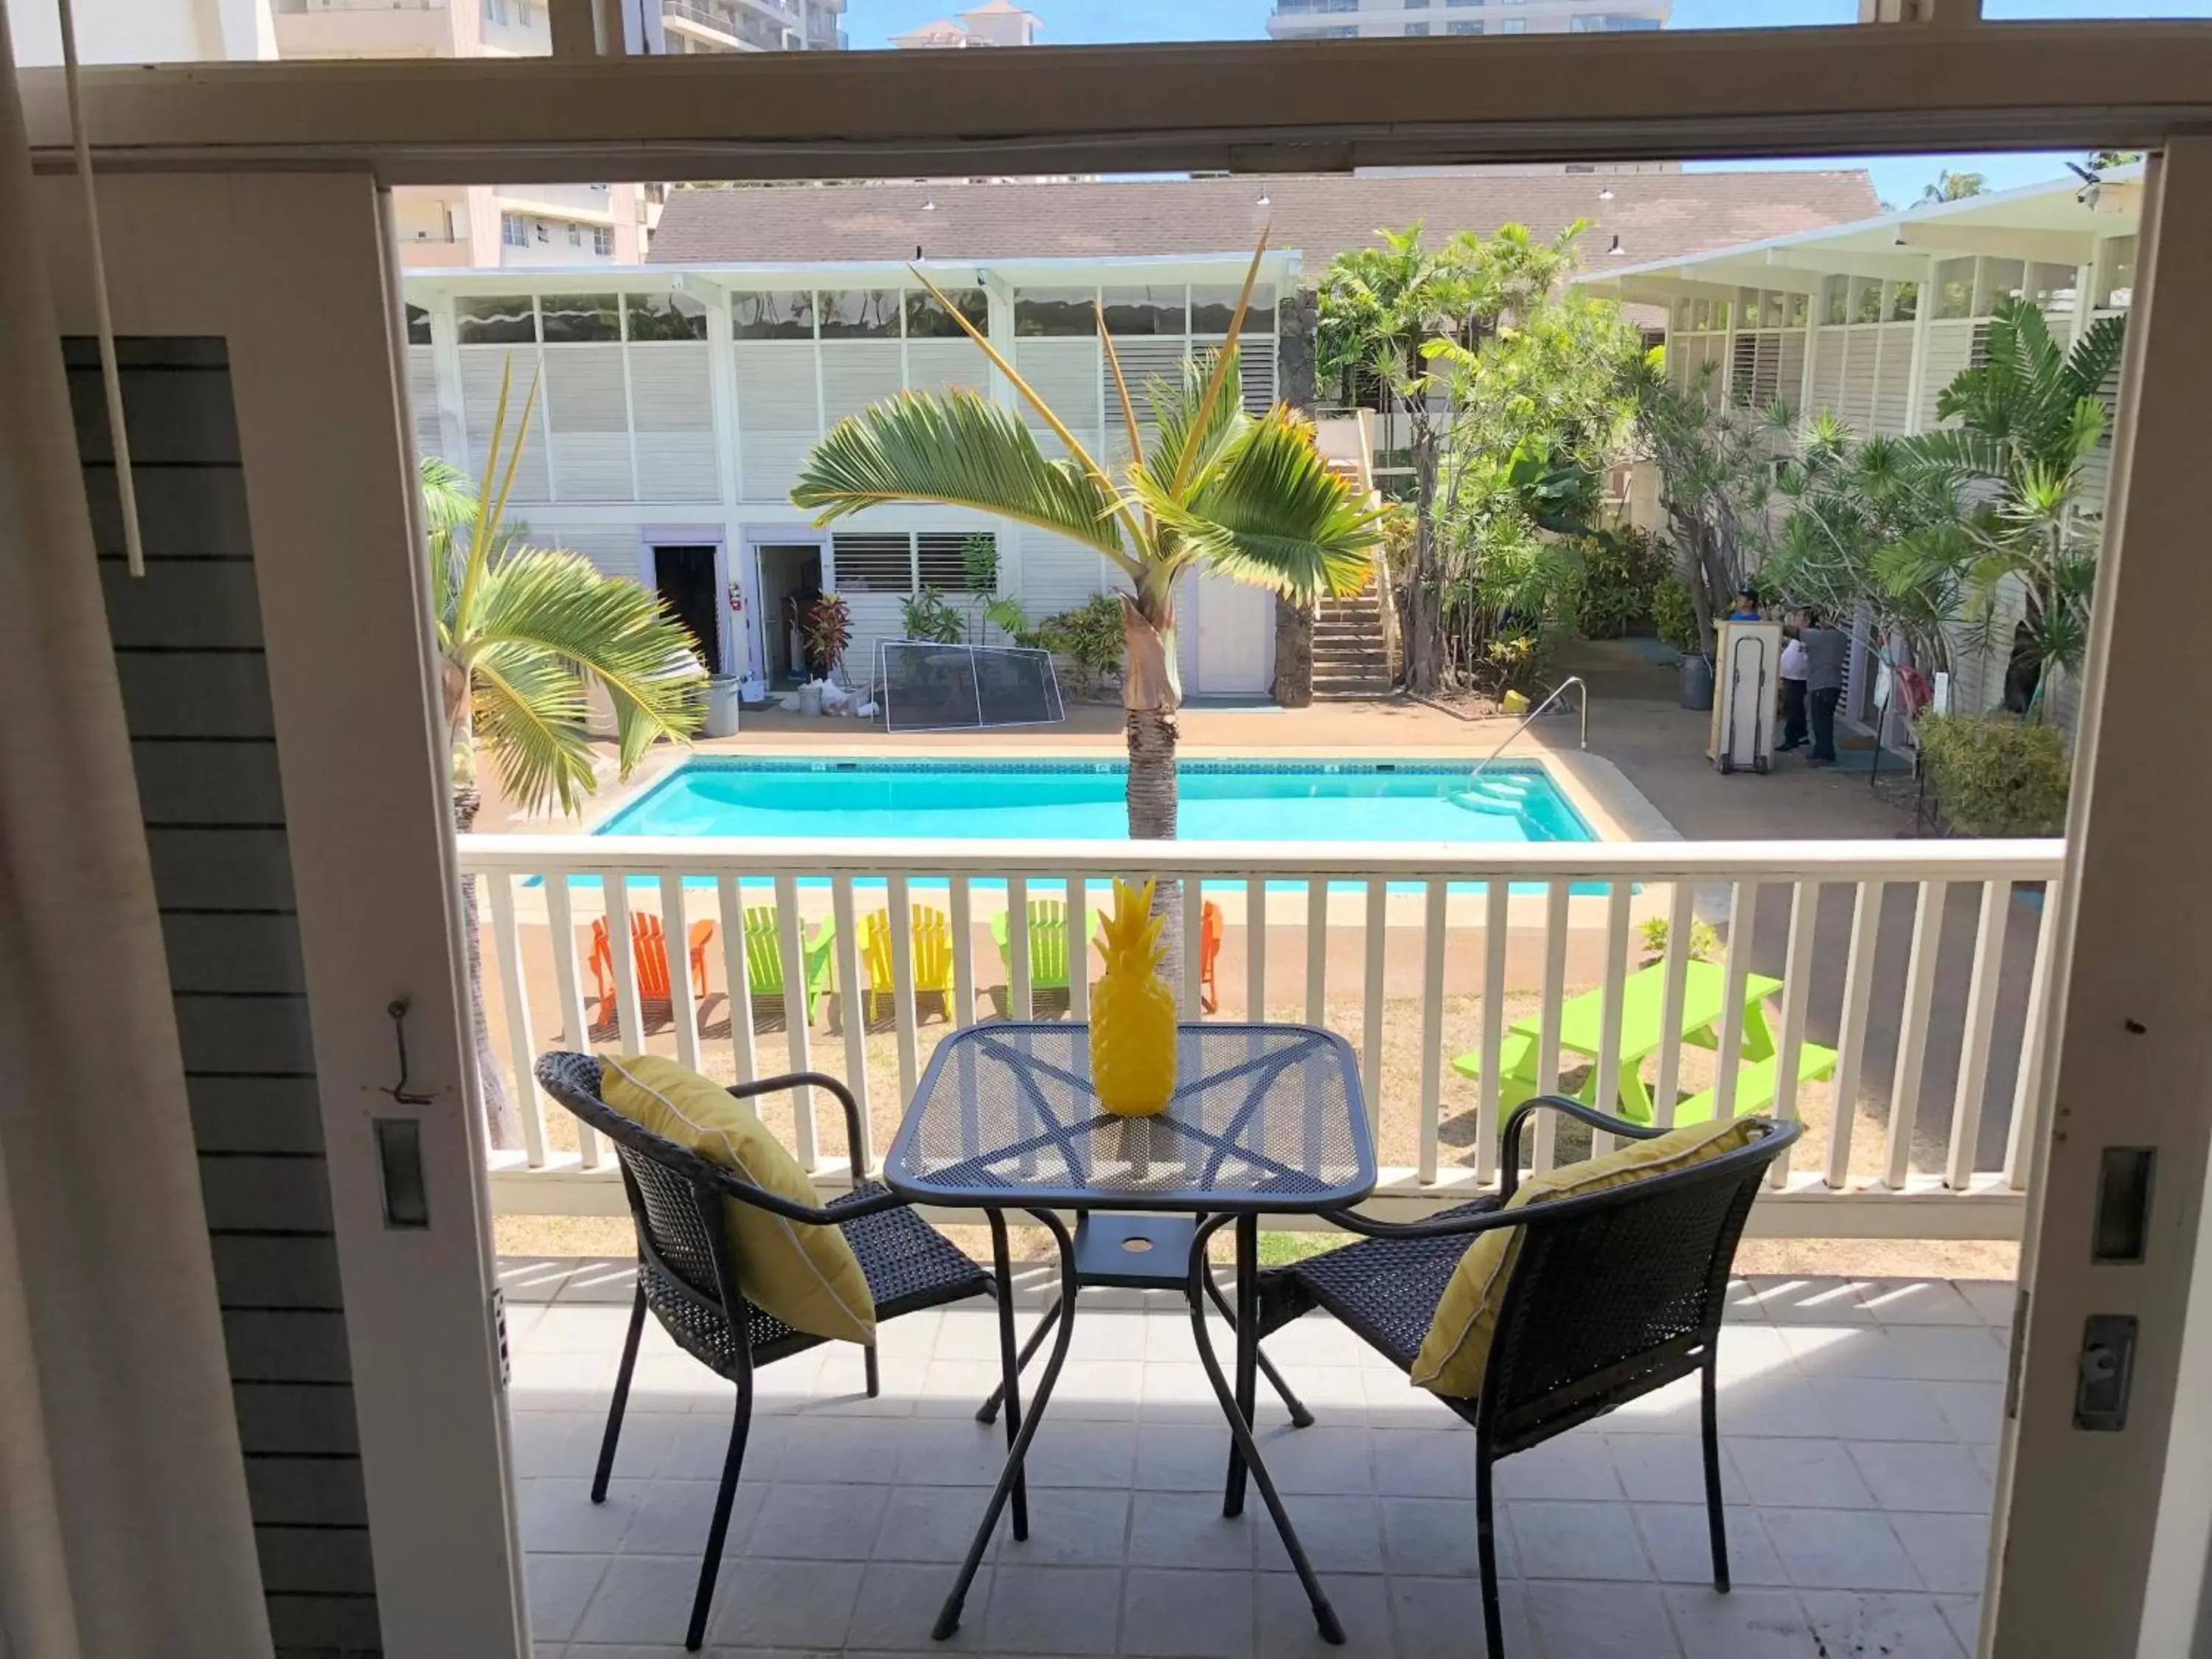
point(806, 1276)
point(1456, 1353)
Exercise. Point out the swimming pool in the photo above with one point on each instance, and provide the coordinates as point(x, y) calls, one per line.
point(1288, 800)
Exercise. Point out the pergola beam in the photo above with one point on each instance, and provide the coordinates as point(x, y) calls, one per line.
point(1900, 267)
point(2057, 248)
point(1753, 272)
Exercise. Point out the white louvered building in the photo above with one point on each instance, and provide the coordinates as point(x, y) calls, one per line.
point(675, 409)
point(1871, 320)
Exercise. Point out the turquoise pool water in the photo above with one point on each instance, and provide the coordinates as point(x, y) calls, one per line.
point(1082, 801)
point(1277, 801)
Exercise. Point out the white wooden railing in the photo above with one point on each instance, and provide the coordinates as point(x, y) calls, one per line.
point(1874, 976)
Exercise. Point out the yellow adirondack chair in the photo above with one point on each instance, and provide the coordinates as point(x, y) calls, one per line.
point(932, 939)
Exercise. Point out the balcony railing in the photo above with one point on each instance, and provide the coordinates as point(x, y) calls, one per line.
point(1924, 966)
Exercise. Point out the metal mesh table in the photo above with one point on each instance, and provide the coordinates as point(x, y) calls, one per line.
point(1265, 1119)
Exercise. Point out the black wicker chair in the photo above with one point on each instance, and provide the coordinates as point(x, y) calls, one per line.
point(686, 1276)
point(1613, 1294)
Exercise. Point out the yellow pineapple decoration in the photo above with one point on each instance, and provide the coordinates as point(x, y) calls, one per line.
point(1132, 1011)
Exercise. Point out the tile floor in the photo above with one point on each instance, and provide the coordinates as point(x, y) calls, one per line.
point(1860, 1420)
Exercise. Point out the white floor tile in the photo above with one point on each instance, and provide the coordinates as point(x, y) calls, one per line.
point(1186, 1529)
point(1745, 1624)
point(556, 1515)
point(1994, 1299)
point(1600, 1621)
point(1950, 1353)
point(1340, 1534)
point(1903, 1476)
point(1800, 1473)
point(1435, 1537)
point(1852, 1626)
point(1675, 1538)
point(1077, 1453)
point(932, 1523)
point(1202, 1615)
point(1839, 1549)
point(1425, 1463)
point(815, 1522)
point(951, 1452)
point(1587, 1541)
point(1917, 1302)
point(1807, 1301)
point(838, 1448)
point(1573, 1465)
point(1669, 1469)
point(698, 1445)
point(955, 1388)
point(1037, 1610)
point(560, 1587)
point(1438, 1616)
point(1105, 1390)
point(540, 1442)
point(1963, 1615)
point(1319, 1460)
point(1841, 1350)
point(897, 1604)
point(1951, 1552)
point(1363, 1609)
point(1182, 1457)
point(673, 1517)
point(643, 1598)
point(1072, 1526)
point(1775, 1403)
point(784, 1604)
point(1974, 1411)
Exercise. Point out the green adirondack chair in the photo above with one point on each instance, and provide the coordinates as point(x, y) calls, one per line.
point(764, 958)
point(1047, 943)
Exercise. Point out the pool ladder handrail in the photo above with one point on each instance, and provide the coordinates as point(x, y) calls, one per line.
point(1556, 693)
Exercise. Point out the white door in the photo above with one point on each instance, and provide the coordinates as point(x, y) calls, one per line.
point(1228, 637)
point(284, 574)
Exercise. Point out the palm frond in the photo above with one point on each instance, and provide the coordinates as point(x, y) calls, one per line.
point(1275, 516)
point(959, 449)
point(2093, 356)
point(530, 712)
point(1194, 433)
point(1224, 365)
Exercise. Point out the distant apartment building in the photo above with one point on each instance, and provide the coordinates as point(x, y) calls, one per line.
point(1345, 20)
point(994, 23)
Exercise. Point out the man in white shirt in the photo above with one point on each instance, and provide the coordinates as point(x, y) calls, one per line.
point(1795, 666)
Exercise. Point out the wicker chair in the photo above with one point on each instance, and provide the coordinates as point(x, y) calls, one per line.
point(686, 1276)
point(1613, 1294)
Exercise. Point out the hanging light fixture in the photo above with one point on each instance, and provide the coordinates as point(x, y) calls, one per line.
point(1606, 194)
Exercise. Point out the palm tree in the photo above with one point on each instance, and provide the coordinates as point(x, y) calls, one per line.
point(1247, 497)
point(2029, 419)
point(1951, 186)
point(523, 632)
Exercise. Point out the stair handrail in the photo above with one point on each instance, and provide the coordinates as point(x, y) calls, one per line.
point(1556, 693)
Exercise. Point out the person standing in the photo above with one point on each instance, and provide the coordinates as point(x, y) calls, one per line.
point(1793, 689)
point(1824, 682)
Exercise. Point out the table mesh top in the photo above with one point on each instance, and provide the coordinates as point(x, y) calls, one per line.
point(1264, 1117)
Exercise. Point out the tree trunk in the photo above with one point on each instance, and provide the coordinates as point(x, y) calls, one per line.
point(500, 1116)
point(1424, 608)
point(1294, 649)
point(1151, 797)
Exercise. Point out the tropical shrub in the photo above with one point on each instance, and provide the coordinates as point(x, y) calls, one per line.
point(1615, 591)
point(1705, 944)
point(827, 628)
point(1091, 636)
point(1995, 775)
point(1674, 614)
point(927, 616)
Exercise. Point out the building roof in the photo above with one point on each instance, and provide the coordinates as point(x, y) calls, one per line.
point(1648, 216)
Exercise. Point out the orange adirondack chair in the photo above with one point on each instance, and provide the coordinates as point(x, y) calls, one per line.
point(1209, 948)
point(649, 951)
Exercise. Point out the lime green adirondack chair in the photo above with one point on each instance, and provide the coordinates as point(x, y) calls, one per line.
point(764, 958)
point(1047, 943)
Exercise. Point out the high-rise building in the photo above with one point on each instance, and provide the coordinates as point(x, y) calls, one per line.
point(1332, 20)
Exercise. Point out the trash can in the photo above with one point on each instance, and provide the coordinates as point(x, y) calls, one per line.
point(1696, 681)
point(723, 695)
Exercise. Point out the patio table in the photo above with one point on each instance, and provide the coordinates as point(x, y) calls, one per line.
point(1582, 1018)
point(1266, 1118)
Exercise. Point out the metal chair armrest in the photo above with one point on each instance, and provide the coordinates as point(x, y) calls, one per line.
point(1508, 1153)
point(856, 1157)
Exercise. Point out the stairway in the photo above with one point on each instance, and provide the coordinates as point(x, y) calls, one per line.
point(1350, 662)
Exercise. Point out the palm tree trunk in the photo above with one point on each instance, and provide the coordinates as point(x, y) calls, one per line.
point(1425, 609)
point(501, 1117)
point(1152, 797)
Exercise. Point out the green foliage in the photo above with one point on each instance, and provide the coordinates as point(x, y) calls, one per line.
point(1004, 612)
point(522, 631)
point(1995, 775)
point(1951, 186)
point(1091, 635)
point(1509, 384)
point(979, 564)
point(927, 616)
point(1616, 591)
point(1674, 615)
point(1704, 941)
point(827, 628)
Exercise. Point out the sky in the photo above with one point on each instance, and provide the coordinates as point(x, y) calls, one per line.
point(871, 23)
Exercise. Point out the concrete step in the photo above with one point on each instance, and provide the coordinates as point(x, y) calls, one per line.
point(1377, 694)
point(1351, 686)
point(1350, 662)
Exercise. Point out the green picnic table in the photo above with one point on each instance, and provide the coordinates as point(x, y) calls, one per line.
point(1582, 1019)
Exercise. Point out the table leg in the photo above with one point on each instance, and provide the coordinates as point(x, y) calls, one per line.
point(1010, 1366)
point(1240, 1422)
point(1247, 1349)
point(948, 1618)
point(1758, 1040)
